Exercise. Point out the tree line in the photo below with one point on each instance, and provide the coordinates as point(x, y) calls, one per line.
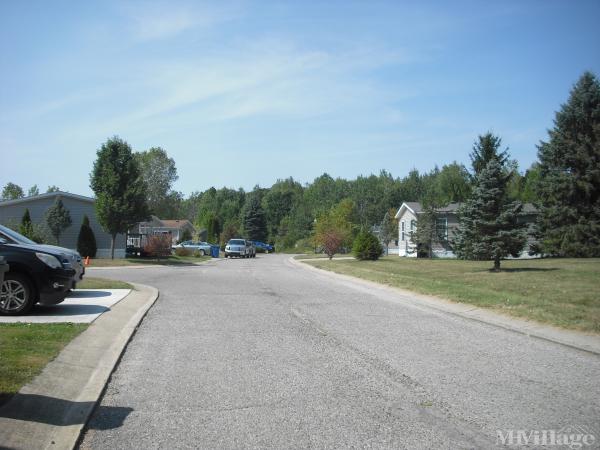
point(563, 184)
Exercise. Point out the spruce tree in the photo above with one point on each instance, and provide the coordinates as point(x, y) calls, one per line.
point(254, 219)
point(486, 148)
point(86, 241)
point(569, 184)
point(26, 227)
point(488, 221)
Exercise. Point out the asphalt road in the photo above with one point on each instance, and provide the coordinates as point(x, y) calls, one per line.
point(260, 353)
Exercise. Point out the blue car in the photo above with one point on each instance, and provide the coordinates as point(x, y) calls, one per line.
point(268, 248)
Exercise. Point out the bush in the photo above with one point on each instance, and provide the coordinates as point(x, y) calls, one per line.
point(367, 247)
point(158, 245)
point(86, 241)
point(182, 251)
point(197, 254)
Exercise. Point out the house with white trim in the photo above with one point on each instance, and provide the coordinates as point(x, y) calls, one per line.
point(446, 224)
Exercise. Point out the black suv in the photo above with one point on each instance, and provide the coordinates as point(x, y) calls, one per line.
point(37, 273)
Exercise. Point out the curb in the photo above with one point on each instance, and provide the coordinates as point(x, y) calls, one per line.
point(51, 411)
point(573, 339)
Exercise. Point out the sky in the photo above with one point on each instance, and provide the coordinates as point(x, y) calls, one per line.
point(245, 93)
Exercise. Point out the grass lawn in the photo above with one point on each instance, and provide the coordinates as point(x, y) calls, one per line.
point(561, 292)
point(102, 283)
point(170, 261)
point(25, 349)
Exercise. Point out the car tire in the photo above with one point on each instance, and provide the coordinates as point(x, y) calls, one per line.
point(202, 253)
point(21, 293)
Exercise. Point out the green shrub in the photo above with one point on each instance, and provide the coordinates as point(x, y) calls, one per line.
point(86, 241)
point(366, 246)
point(182, 251)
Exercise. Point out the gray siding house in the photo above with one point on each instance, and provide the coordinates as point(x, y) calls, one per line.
point(11, 213)
point(446, 224)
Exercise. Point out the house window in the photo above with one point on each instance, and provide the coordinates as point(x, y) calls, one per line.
point(413, 226)
point(441, 228)
point(402, 230)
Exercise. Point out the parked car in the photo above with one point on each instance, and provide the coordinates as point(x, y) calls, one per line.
point(68, 256)
point(37, 274)
point(202, 247)
point(239, 247)
point(3, 269)
point(263, 247)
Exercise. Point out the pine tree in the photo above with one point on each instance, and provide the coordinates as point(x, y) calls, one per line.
point(485, 149)
point(488, 221)
point(26, 227)
point(569, 185)
point(86, 241)
point(58, 219)
point(254, 219)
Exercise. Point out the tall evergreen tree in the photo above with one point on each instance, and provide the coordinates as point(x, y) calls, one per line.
point(86, 241)
point(569, 184)
point(488, 221)
point(486, 148)
point(58, 219)
point(253, 218)
point(26, 227)
point(119, 188)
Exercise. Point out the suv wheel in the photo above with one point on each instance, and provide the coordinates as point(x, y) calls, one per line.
point(16, 295)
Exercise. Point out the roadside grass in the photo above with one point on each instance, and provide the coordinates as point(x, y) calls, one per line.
point(26, 348)
point(173, 260)
point(102, 283)
point(560, 292)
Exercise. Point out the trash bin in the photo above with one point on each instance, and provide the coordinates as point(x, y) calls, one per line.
point(3, 269)
point(214, 251)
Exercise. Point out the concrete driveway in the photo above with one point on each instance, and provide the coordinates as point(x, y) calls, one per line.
point(260, 353)
point(81, 306)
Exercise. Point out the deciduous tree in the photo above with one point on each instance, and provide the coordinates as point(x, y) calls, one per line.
point(119, 188)
point(12, 191)
point(58, 219)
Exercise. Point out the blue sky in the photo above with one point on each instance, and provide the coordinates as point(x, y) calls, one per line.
point(242, 93)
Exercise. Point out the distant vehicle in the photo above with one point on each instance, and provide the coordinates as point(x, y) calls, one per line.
point(267, 248)
point(37, 273)
point(70, 257)
point(240, 248)
point(251, 249)
point(202, 247)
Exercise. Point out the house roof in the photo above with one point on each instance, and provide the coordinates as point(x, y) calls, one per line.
point(177, 223)
point(47, 195)
point(417, 208)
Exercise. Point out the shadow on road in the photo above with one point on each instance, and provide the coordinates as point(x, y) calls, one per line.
point(59, 412)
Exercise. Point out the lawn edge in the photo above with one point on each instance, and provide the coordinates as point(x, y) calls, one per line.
point(570, 338)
